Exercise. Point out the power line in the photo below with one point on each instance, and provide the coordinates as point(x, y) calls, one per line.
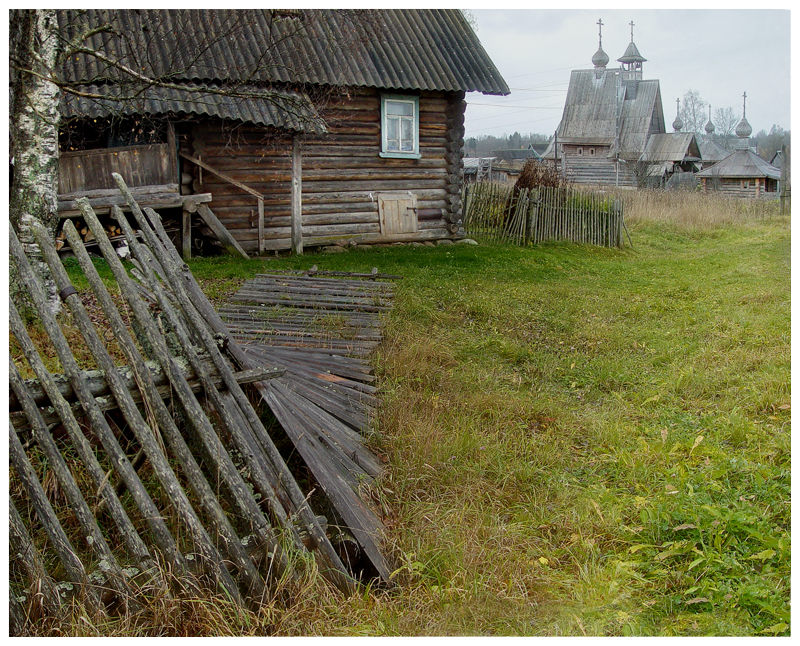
point(507, 125)
point(526, 107)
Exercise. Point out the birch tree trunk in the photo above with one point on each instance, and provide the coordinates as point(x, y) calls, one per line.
point(34, 116)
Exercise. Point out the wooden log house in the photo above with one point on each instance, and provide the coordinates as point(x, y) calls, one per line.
point(742, 173)
point(284, 129)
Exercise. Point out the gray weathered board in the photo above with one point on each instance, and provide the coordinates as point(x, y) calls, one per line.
point(193, 484)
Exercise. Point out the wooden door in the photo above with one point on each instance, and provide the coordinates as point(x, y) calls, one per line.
point(398, 212)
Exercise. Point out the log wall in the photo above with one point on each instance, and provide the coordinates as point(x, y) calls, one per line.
point(342, 173)
point(734, 187)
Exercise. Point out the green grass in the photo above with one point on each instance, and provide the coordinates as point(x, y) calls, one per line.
point(579, 440)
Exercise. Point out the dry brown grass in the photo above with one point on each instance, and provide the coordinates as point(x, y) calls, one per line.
point(693, 210)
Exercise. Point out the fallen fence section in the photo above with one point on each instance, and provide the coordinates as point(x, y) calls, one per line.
point(321, 331)
point(121, 474)
point(495, 213)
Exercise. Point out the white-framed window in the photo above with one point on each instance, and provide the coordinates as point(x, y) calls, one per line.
point(400, 126)
point(580, 151)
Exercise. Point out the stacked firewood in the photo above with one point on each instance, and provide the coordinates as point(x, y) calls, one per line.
point(112, 230)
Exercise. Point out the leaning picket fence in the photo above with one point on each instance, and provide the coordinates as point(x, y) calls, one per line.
point(494, 213)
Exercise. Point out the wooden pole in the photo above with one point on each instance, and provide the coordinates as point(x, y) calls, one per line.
point(47, 517)
point(261, 240)
point(67, 484)
point(212, 560)
point(186, 234)
point(22, 551)
point(784, 178)
point(297, 196)
point(269, 458)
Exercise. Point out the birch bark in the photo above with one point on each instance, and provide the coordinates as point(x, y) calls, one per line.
point(34, 117)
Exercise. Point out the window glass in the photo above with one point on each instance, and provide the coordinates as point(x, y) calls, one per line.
point(407, 131)
point(401, 108)
point(392, 134)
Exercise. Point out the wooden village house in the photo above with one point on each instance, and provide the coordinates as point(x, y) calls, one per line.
point(280, 129)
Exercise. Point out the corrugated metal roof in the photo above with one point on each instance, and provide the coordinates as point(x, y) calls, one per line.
point(741, 163)
point(279, 108)
point(590, 111)
point(670, 147)
point(410, 49)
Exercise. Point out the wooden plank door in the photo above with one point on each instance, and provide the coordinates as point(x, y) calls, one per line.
point(398, 212)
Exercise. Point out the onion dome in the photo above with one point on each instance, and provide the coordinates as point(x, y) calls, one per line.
point(600, 58)
point(710, 126)
point(677, 124)
point(743, 129)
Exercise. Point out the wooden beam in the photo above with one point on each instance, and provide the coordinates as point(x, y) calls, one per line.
point(222, 175)
point(191, 202)
point(173, 150)
point(186, 234)
point(223, 235)
point(101, 391)
point(260, 225)
point(297, 197)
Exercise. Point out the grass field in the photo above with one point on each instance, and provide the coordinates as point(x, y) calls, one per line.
point(581, 440)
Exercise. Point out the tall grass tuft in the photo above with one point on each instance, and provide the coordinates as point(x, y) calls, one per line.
point(693, 210)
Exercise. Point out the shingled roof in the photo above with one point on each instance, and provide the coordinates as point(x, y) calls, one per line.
point(742, 164)
point(590, 111)
point(711, 151)
point(671, 147)
point(408, 49)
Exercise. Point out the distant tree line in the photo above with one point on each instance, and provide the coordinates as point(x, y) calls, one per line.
point(485, 145)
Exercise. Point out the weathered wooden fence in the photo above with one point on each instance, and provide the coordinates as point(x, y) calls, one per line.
point(120, 474)
point(494, 213)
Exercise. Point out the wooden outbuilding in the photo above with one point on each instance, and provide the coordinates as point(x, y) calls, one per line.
point(742, 174)
point(670, 157)
point(289, 129)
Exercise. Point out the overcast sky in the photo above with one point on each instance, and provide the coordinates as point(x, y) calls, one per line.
point(719, 53)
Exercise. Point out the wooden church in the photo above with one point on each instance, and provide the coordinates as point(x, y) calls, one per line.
point(609, 116)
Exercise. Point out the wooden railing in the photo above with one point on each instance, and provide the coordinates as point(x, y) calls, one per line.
point(495, 213)
point(243, 187)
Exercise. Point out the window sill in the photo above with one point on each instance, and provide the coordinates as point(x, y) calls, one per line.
point(400, 155)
